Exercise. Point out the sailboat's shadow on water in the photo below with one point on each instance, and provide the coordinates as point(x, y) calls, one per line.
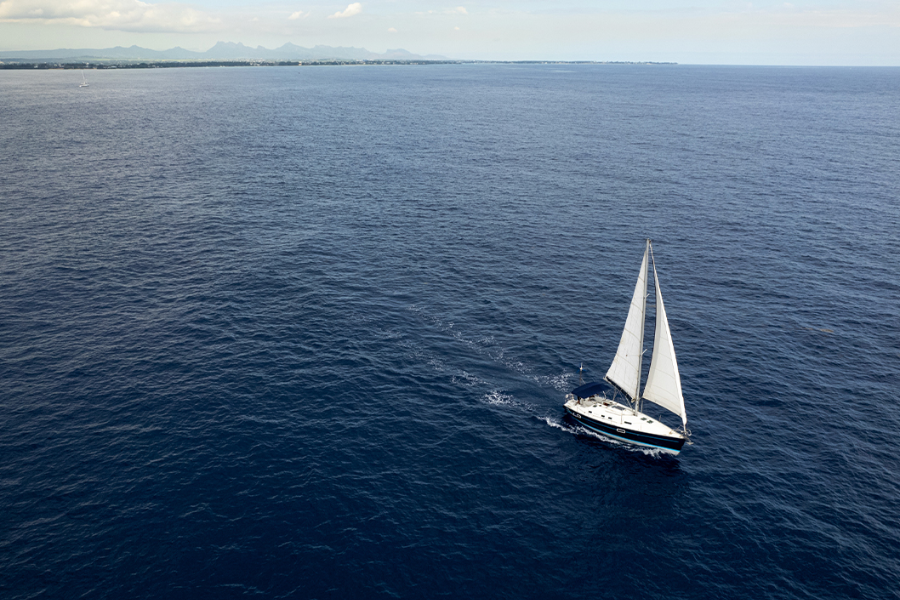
point(644, 483)
point(630, 504)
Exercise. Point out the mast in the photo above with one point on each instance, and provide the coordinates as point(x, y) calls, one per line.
point(637, 397)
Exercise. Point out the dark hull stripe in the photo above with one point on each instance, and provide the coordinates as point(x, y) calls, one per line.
point(626, 435)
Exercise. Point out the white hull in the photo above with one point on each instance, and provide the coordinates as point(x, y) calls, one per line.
point(622, 423)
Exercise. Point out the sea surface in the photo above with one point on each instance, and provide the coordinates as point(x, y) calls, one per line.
point(307, 332)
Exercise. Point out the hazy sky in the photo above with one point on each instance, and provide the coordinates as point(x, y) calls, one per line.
point(804, 32)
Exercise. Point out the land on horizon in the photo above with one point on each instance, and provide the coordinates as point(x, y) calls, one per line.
point(220, 51)
point(134, 64)
point(227, 54)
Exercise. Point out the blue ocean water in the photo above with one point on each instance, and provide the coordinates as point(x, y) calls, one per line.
point(306, 332)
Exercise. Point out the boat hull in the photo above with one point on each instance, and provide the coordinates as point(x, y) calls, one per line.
point(624, 434)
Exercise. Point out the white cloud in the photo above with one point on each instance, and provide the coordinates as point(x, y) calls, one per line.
point(459, 10)
point(297, 15)
point(353, 9)
point(122, 15)
point(392, 30)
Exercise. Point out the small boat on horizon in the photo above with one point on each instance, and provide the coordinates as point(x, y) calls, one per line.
point(84, 82)
point(590, 405)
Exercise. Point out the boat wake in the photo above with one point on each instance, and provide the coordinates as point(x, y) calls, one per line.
point(489, 347)
point(556, 421)
point(578, 430)
point(498, 398)
point(495, 397)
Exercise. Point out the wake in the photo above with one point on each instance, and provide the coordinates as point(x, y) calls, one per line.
point(487, 346)
point(578, 430)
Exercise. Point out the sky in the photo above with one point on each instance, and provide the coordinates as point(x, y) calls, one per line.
point(801, 32)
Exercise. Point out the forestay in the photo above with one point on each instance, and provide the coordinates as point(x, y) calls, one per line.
point(663, 381)
point(625, 371)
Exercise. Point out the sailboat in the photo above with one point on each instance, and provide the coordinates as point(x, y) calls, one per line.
point(84, 82)
point(590, 404)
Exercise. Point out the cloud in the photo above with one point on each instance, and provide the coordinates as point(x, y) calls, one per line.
point(122, 15)
point(459, 10)
point(353, 9)
point(297, 15)
point(392, 30)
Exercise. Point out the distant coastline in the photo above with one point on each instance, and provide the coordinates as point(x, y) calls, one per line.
point(222, 51)
point(230, 54)
point(168, 64)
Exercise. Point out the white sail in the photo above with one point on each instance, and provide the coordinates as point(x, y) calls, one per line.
point(663, 381)
point(625, 370)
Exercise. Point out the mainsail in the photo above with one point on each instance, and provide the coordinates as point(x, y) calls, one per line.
point(625, 371)
point(663, 381)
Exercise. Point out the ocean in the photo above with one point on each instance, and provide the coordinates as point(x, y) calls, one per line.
point(306, 332)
